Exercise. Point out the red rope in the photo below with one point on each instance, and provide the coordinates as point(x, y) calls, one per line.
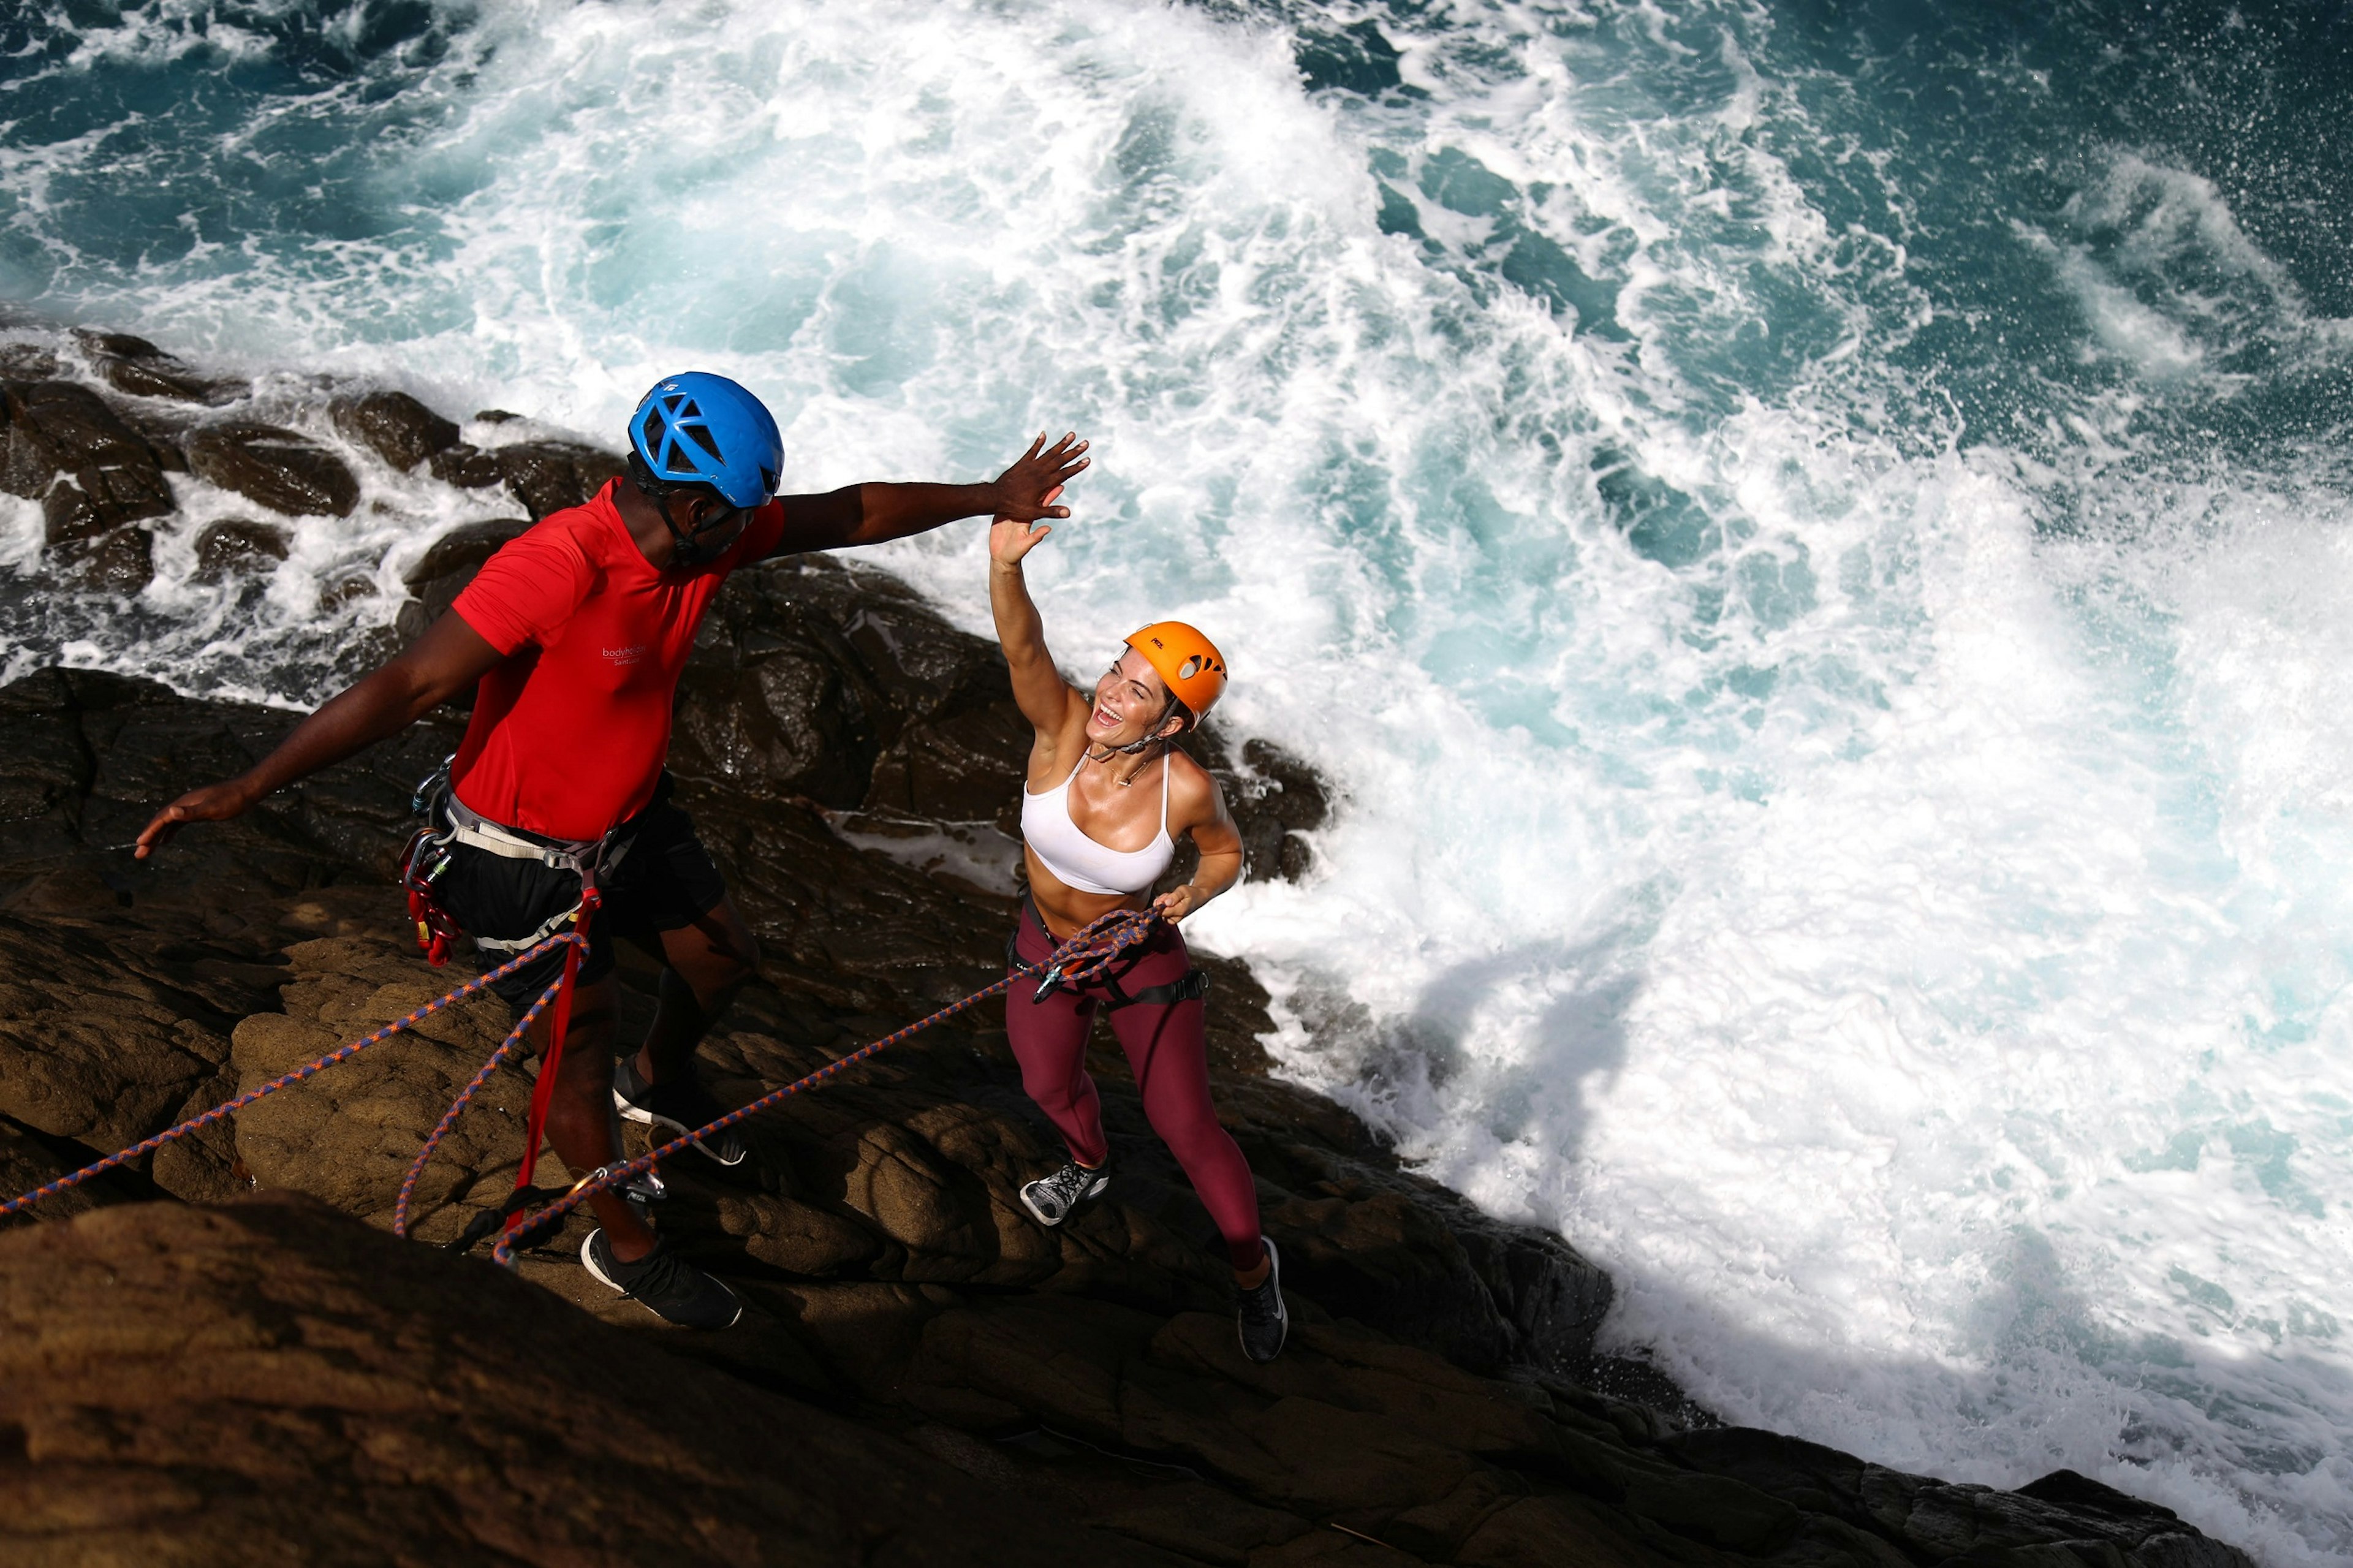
point(551, 1059)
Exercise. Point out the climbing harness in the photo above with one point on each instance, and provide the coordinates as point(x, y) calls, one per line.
point(1085, 958)
point(448, 821)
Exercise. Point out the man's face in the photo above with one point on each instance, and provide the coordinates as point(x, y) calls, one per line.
point(703, 527)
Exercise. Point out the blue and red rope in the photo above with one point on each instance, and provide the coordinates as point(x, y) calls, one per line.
point(1085, 957)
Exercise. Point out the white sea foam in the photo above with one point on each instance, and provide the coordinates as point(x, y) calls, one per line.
point(1879, 890)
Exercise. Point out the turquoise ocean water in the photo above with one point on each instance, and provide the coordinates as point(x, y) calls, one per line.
point(1812, 538)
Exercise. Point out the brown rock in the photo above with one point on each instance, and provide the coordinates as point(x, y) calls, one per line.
point(274, 468)
point(100, 1042)
point(270, 1382)
point(138, 367)
point(467, 466)
point(121, 561)
point(28, 1160)
point(91, 472)
point(462, 551)
point(92, 755)
point(26, 362)
point(238, 544)
point(394, 426)
point(548, 475)
point(349, 1136)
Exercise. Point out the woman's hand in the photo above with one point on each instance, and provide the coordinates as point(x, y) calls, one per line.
point(1010, 539)
point(1178, 902)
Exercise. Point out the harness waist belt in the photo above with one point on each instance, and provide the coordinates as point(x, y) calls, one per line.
point(467, 826)
point(1192, 985)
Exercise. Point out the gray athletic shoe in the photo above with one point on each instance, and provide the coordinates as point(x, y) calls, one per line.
point(662, 1281)
point(1264, 1322)
point(680, 1106)
point(1053, 1199)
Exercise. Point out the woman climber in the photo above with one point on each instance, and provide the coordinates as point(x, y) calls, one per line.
point(1107, 796)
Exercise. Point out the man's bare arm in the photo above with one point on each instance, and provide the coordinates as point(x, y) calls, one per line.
point(448, 657)
point(872, 513)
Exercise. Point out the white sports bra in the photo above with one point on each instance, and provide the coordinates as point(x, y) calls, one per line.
point(1077, 860)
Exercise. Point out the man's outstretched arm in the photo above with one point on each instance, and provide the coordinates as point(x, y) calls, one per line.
point(872, 513)
point(450, 657)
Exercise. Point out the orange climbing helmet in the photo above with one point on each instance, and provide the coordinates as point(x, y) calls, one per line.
point(1189, 662)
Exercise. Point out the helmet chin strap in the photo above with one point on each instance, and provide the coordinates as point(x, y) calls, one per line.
point(686, 549)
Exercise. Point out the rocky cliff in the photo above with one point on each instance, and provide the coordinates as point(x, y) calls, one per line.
point(222, 1355)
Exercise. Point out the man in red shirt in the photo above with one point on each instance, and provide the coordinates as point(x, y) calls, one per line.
point(577, 631)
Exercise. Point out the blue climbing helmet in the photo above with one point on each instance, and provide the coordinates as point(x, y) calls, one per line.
point(704, 429)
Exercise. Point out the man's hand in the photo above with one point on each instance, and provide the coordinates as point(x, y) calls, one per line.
point(1026, 491)
point(1178, 902)
point(214, 803)
point(448, 657)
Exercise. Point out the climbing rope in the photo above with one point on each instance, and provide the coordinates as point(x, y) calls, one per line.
point(498, 1058)
point(173, 1134)
point(1085, 957)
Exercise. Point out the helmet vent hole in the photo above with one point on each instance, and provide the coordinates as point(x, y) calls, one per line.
point(701, 438)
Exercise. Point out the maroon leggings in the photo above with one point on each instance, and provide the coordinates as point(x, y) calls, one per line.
point(1169, 1053)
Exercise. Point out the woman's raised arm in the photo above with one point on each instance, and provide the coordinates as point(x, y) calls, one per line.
point(1046, 700)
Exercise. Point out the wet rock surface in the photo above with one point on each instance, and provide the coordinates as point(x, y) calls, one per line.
point(548, 475)
point(69, 449)
point(923, 1374)
point(394, 426)
point(136, 366)
point(272, 466)
point(238, 544)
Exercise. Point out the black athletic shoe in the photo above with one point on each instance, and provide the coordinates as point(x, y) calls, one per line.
point(680, 1105)
point(673, 1288)
point(1057, 1198)
point(1262, 1317)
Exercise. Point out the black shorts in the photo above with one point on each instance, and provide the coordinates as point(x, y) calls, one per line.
point(664, 883)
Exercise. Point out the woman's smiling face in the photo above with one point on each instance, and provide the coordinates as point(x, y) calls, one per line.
point(1131, 700)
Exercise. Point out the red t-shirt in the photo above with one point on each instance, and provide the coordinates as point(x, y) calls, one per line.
point(570, 730)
